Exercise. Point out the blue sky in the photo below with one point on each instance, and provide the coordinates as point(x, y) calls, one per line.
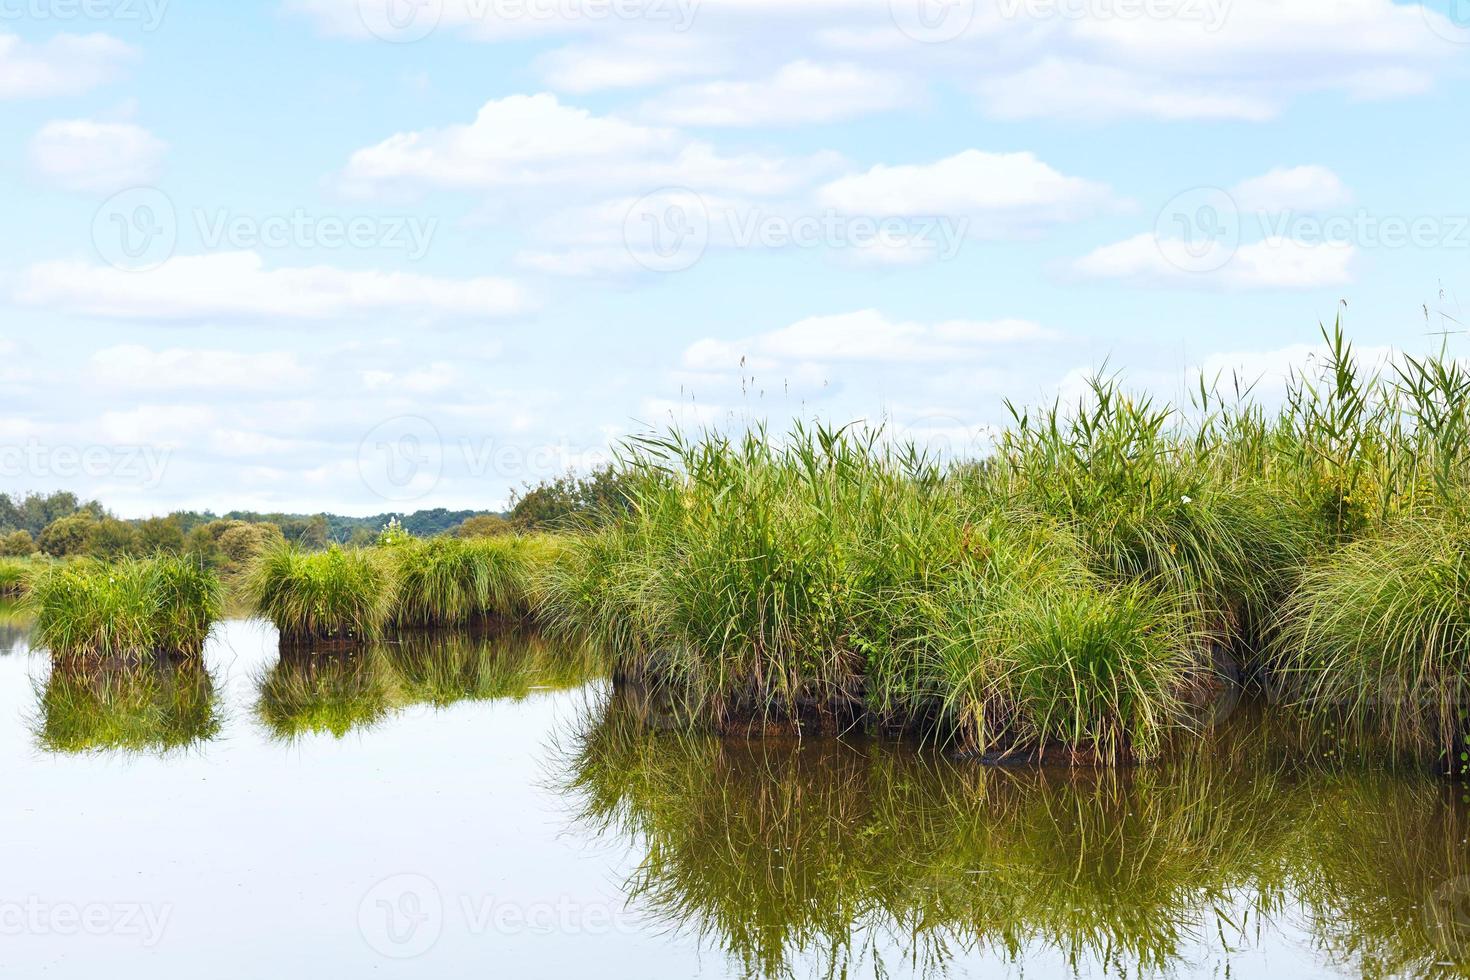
point(368, 255)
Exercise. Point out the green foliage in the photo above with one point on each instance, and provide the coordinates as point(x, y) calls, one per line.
point(454, 581)
point(484, 526)
point(571, 501)
point(15, 577)
point(830, 574)
point(336, 594)
point(67, 536)
point(129, 607)
point(17, 544)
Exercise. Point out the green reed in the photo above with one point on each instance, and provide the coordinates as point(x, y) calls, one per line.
point(340, 594)
point(127, 607)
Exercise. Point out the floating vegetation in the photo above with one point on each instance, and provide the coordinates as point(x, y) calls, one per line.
point(152, 705)
point(128, 607)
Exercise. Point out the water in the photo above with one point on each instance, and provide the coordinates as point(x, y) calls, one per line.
point(489, 807)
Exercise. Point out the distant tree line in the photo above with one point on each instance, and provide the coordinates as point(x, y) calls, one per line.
point(61, 525)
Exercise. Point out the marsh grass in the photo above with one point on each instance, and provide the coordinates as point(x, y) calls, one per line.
point(1082, 589)
point(349, 596)
point(151, 705)
point(832, 580)
point(125, 608)
point(1378, 637)
point(459, 581)
point(16, 575)
point(338, 595)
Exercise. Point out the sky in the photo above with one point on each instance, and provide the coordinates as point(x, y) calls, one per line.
point(383, 255)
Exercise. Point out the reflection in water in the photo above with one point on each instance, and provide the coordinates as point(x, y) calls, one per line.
point(780, 851)
point(306, 694)
point(15, 628)
point(155, 705)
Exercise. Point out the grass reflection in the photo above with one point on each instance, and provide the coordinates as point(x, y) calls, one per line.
point(783, 852)
point(338, 692)
point(153, 705)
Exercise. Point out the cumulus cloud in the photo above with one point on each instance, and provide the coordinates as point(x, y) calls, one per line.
point(1010, 189)
point(135, 366)
point(1304, 188)
point(85, 155)
point(534, 141)
point(799, 92)
point(237, 285)
point(67, 64)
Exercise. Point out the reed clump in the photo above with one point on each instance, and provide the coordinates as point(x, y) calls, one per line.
point(461, 581)
point(355, 595)
point(15, 577)
point(336, 595)
point(130, 607)
point(832, 579)
point(1082, 588)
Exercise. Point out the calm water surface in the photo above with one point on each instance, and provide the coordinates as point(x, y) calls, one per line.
point(487, 807)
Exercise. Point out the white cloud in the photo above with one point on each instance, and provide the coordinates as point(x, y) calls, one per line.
point(1005, 190)
point(237, 285)
point(137, 367)
point(799, 92)
point(1273, 263)
point(84, 155)
point(67, 64)
point(532, 141)
point(1071, 89)
point(1305, 188)
point(1242, 59)
point(632, 61)
point(865, 335)
point(440, 376)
